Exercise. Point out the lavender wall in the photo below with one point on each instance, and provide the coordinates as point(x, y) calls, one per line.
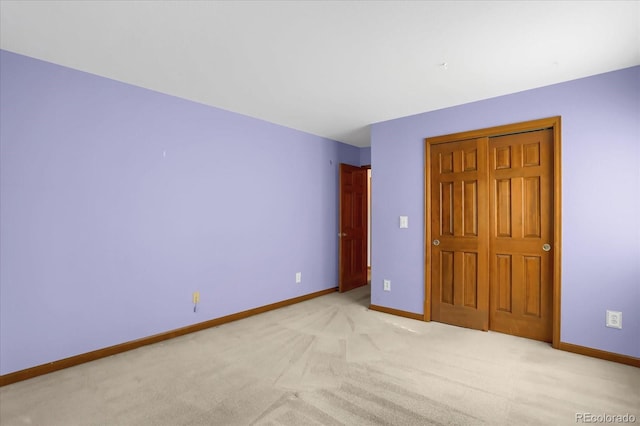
point(118, 202)
point(601, 200)
point(365, 156)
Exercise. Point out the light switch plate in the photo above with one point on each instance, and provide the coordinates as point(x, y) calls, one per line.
point(404, 221)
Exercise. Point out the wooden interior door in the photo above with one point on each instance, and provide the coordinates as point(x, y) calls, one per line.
point(459, 232)
point(521, 200)
point(353, 227)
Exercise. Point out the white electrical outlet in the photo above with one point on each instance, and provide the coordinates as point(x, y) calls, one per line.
point(386, 285)
point(614, 319)
point(298, 277)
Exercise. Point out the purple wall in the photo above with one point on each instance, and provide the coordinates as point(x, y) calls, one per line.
point(117, 203)
point(365, 156)
point(601, 200)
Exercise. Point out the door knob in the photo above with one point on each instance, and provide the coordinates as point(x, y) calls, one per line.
point(546, 247)
point(436, 242)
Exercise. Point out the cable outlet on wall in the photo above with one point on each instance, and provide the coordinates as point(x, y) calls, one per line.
point(386, 285)
point(614, 319)
point(196, 299)
point(298, 277)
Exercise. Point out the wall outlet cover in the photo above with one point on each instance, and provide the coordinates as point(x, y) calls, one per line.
point(614, 319)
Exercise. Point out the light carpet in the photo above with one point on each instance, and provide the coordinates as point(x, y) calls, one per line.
point(329, 361)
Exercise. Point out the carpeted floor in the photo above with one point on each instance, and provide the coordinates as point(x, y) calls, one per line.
point(329, 361)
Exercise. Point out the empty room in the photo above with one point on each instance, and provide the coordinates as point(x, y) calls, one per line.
point(319, 212)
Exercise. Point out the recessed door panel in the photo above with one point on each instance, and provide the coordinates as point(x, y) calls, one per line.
point(446, 277)
point(446, 208)
point(502, 157)
point(446, 162)
point(502, 214)
point(470, 160)
point(531, 154)
point(531, 214)
point(470, 279)
point(470, 208)
point(532, 286)
point(503, 273)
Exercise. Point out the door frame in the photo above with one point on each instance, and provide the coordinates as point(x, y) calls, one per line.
point(527, 126)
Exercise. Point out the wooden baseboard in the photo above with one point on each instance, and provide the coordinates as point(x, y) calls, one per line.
point(597, 353)
point(582, 350)
point(397, 312)
point(50, 367)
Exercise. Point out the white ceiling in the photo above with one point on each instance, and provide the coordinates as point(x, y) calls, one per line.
point(329, 68)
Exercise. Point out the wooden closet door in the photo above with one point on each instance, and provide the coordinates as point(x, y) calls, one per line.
point(521, 200)
point(459, 232)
